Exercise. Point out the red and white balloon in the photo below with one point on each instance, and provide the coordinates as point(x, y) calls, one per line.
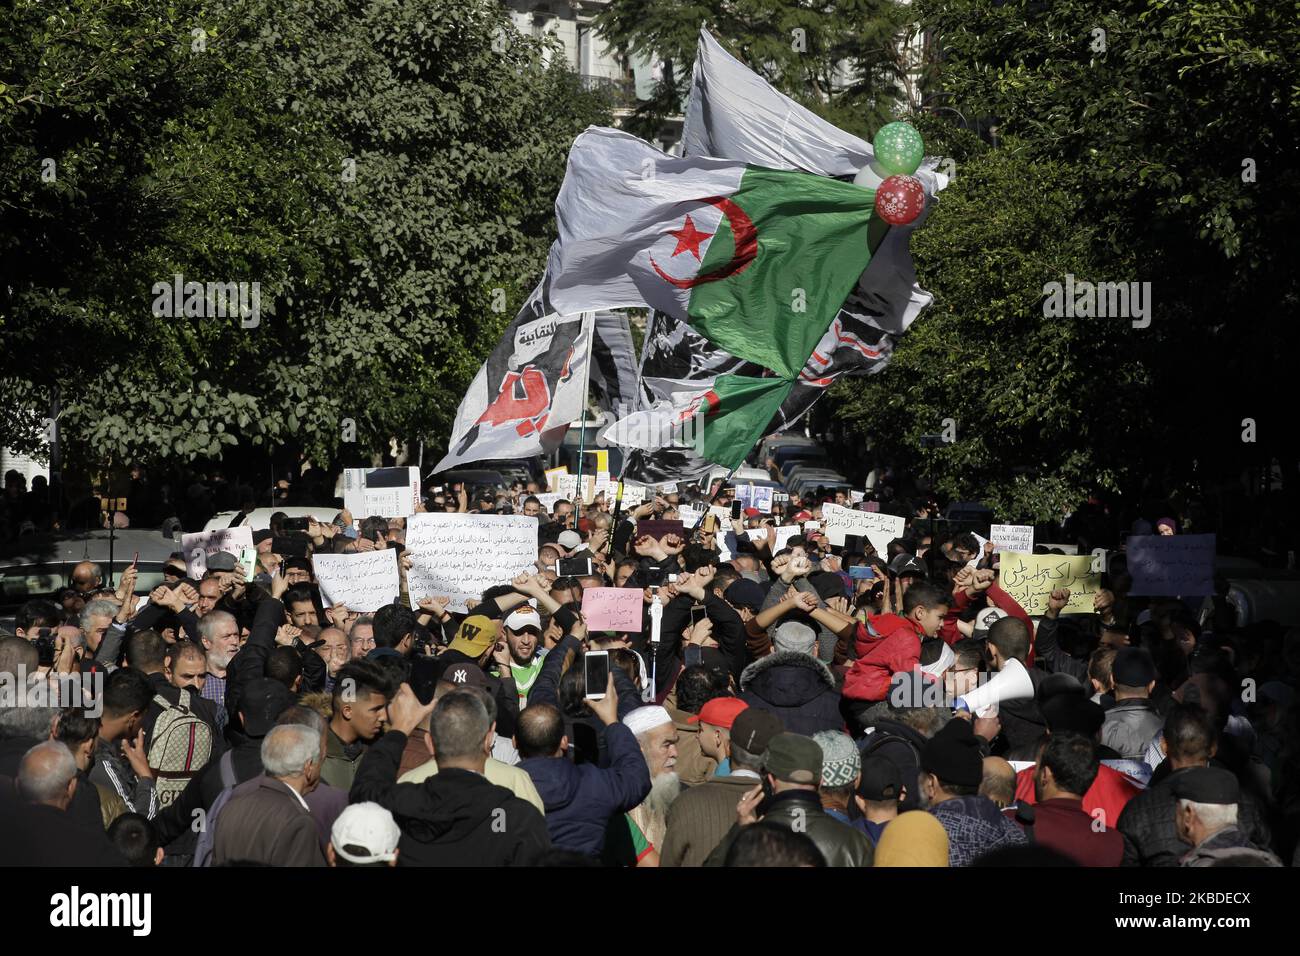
point(900, 199)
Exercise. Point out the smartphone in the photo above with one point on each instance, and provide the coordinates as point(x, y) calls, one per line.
point(574, 567)
point(294, 524)
point(595, 668)
point(135, 561)
point(698, 613)
point(736, 510)
point(710, 525)
point(862, 572)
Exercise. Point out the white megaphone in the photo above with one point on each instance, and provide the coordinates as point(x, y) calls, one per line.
point(1010, 683)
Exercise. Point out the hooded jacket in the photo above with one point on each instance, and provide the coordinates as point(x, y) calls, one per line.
point(975, 826)
point(580, 798)
point(796, 687)
point(886, 644)
point(454, 818)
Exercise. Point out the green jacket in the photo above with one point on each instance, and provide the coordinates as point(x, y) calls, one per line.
point(341, 761)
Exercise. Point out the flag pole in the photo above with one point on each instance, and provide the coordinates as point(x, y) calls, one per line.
point(586, 389)
point(640, 373)
point(712, 498)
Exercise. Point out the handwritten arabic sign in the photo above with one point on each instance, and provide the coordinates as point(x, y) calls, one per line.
point(201, 545)
point(1180, 565)
point(364, 582)
point(613, 609)
point(1031, 578)
point(462, 556)
point(877, 528)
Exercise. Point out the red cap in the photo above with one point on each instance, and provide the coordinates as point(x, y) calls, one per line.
point(752, 512)
point(720, 712)
point(803, 516)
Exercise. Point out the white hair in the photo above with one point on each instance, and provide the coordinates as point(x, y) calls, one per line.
point(288, 749)
point(45, 772)
point(209, 623)
point(101, 608)
point(1213, 816)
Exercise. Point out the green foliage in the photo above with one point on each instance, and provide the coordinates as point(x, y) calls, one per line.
point(379, 168)
point(1119, 165)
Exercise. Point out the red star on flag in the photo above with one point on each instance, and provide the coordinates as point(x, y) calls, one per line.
point(689, 238)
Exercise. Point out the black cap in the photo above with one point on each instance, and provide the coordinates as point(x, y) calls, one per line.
point(754, 728)
point(953, 755)
point(221, 561)
point(881, 779)
point(1133, 667)
point(905, 564)
point(262, 703)
point(1072, 713)
point(744, 593)
point(793, 758)
point(264, 535)
point(1205, 785)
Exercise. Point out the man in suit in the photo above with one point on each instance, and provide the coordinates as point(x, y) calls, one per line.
point(267, 821)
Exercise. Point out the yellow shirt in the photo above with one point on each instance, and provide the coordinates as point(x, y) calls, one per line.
point(502, 774)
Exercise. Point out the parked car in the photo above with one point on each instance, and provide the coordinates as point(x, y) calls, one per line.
point(259, 519)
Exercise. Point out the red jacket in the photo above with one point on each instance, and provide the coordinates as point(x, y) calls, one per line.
point(1110, 792)
point(1063, 825)
point(998, 598)
point(886, 644)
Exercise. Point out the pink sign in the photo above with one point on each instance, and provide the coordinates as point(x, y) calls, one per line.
point(613, 609)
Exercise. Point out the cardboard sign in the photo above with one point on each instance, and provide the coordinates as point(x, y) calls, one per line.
point(1012, 537)
point(1180, 565)
point(461, 556)
point(659, 529)
point(783, 535)
point(365, 581)
point(721, 513)
point(385, 492)
point(553, 475)
point(1031, 578)
point(877, 528)
point(566, 486)
point(613, 609)
point(689, 516)
point(199, 545)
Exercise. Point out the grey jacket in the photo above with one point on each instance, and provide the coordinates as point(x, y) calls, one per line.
point(1227, 843)
point(1129, 727)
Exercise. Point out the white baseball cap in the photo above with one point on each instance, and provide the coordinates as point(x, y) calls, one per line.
point(568, 540)
point(367, 827)
point(522, 617)
point(988, 617)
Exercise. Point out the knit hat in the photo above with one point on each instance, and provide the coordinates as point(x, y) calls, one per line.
point(796, 637)
point(841, 761)
point(1073, 713)
point(915, 838)
point(744, 593)
point(953, 755)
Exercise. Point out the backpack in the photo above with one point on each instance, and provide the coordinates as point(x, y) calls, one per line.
point(207, 835)
point(180, 748)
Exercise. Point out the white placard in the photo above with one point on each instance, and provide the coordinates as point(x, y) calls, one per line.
point(566, 486)
point(365, 581)
point(721, 513)
point(689, 516)
point(762, 498)
point(461, 556)
point(548, 499)
point(1063, 548)
point(634, 496)
point(386, 492)
point(877, 528)
point(200, 545)
point(856, 496)
point(1012, 537)
point(783, 534)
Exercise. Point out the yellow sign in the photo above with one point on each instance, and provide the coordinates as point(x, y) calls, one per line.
point(1031, 578)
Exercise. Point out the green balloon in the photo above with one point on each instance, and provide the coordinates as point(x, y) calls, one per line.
point(899, 148)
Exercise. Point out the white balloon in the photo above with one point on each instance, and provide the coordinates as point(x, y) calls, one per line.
point(870, 176)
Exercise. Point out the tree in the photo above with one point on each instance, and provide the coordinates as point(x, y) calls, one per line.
point(378, 169)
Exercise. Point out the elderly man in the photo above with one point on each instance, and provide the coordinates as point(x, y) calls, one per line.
point(219, 632)
point(87, 577)
point(361, 639)
point(656, 733)
point(1206, 818)
point(42, 832)
point(267, 821)
point(334, 648)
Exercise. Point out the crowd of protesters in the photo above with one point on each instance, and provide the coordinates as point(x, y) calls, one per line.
point(801, 706)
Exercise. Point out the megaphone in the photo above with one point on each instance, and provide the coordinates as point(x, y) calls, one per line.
point(1010, 683)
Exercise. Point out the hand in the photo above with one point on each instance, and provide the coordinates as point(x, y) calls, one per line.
point(364, 544)
point(831, 563)
point(471, 603)
point(893, 603)
point(672, 544)
point(126, 585)
point(161, 595)
point(596, 542)
point(501, 654)
point(606, 709)
point(437, 606)
point(648, 547)
point(988, 549)
point(1103, 602)
point(963, 579)
point(704, 576)
point(187, 595)
point(404, 563)
point(579, 629)
point(286, 634)
point(779, 564)
point(701, 633)
point(803, 601)
point(138, 756)
point(1057, 600)
point(838, 604)
point(800, 566)
point(747, 808)
point(983, 579)
point(279, 583)
point(405, 711)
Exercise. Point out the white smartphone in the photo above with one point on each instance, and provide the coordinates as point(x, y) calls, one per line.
point(595, 666)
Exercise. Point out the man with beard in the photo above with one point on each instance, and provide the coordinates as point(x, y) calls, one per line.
point(522, 631)
point(657, 735)
point(219, 632)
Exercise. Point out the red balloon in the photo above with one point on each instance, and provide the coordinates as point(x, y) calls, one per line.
point(900, 199)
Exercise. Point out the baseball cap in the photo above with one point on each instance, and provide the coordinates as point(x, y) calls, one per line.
point(524, 616)
point(881, 779)
point(365, 833)
point(262, 702)
point(744, 593)
point(794, 758)
point(221, 561)
point(465, 674)
point(720, 712)
point(474, 636)
point(568, 540)
point(985, 619)
point(905, 564)
point(753, 729)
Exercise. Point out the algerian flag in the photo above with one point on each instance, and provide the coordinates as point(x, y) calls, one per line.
point(756, 260)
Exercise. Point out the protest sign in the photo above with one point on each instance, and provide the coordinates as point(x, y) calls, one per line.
point(721, 513)
point(689, 516)
point(1031, 578)
point(658, 529)
point(762, 499)
point(566, 486)
point(548, 499)
point(386, 492)
point(1180, 565)
point(365, 581)
point(613, 609)
point(633, 496)
point(462, 555)
point(1012, 537)
point(553, 475)
point(667, 489)
point(783, 535)
point(877, 528)
point(856, 496)
point(200, 545)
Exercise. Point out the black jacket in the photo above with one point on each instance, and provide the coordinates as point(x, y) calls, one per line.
point(85, 807)
point(1023, 724)
point(902, 745)
point(796, 687)
point(453, 818)
point(801, 812)
point(33, 835)
point(585, 731)
point(1050, 656)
